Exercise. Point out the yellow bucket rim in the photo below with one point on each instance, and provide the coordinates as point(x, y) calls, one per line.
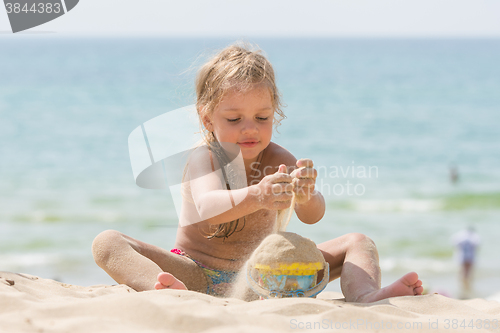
point(295, 268)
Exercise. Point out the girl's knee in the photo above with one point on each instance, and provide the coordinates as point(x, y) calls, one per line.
point(357, 239)
point(104, 244)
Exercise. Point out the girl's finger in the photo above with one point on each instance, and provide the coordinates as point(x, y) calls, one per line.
point(296, 172)
point(283, 197)
point(304, 162)
point(278, 189)
point(282, 169)
point(288, 188)
point(303, 182)
point(303, 190)
point(281, 178)
point(305, 173)
point(279, 205)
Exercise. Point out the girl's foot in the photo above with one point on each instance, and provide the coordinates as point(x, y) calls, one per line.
point(408, 285)
point(168, 281)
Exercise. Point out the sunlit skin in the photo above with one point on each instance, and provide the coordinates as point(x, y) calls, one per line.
point(245, 119)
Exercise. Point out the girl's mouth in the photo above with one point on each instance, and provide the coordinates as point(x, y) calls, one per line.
point(248, 144)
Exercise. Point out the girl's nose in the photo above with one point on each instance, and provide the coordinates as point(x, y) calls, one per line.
point(249, 126)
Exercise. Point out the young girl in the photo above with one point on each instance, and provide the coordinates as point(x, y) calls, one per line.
point(238, 103)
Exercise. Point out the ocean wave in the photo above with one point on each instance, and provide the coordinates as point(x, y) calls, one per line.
point(454, 202)
point(18, 261)
point(403, 205)
point(421, 265)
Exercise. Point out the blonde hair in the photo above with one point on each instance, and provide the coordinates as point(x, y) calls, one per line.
point(241, 67)
point(235, 67)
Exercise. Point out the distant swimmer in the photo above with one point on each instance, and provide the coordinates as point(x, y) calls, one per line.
point(453, 174)
point(467, 242)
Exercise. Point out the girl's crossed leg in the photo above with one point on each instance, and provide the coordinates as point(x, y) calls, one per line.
point(354, 258)
point(142, 266)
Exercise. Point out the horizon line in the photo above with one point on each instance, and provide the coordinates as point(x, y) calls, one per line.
point(244, 36)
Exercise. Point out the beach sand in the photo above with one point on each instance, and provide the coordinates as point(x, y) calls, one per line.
point(33, 304)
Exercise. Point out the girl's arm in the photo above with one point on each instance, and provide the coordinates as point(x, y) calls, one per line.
point(217, 205)
point(313, 210)
point(310, 204)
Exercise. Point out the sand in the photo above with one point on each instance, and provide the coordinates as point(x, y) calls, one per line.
point(285, 247)
point(276, 249)
point(32, 304)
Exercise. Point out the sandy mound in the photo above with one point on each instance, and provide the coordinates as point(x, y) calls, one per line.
point(285, 247)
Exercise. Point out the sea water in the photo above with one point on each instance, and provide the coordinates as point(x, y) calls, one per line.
point(384, 121)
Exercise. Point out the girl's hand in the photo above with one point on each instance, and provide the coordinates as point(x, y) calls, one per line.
point(274, 192)
point(304, 180)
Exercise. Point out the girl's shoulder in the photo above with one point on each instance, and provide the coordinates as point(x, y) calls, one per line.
point(201, 161)
point(276, 155)
point(199, 154)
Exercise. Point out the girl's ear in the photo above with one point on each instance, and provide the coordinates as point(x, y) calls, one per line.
point(207, 123)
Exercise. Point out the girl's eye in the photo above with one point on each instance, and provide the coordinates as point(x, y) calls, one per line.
point(233, 120)
point(263, 119)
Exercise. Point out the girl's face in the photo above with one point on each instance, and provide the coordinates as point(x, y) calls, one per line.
point(245, 119)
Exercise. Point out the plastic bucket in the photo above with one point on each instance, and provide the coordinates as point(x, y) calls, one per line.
point(288, 277)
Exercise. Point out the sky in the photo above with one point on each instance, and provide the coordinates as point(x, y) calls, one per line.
point(277, 18)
